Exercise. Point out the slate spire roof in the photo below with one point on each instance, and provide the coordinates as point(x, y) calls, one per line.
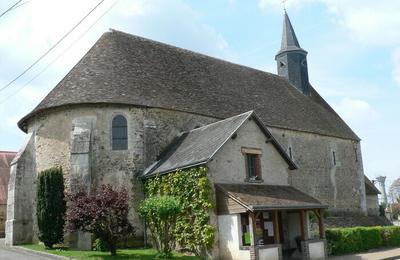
point(129, 70)
point(289, 39)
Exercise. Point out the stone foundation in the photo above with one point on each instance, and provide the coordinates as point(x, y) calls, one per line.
point(315, 249)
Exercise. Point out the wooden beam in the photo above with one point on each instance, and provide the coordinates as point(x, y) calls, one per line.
point(302, 231)
point(317, 212)
point(277, 236)
point(321, 224)
point(252, 226)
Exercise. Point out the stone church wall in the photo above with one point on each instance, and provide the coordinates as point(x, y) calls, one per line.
point(21, 196)
point(337, 182)
point(372, 205)
point(149, 132)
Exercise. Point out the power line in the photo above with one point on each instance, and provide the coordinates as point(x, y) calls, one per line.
point(21, 4)
point(51, 48)
point(61, 54)
point(10, 8)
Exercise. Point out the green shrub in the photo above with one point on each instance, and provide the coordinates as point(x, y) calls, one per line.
point(100, 245)
point(51, 206)
point(391, 236)
point(382, 208)
point(358, 239)
point(161, 212)
point(193, 190)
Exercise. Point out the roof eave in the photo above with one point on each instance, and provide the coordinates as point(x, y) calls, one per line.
point(292, 165)
point(308, 207)
point(154, 174)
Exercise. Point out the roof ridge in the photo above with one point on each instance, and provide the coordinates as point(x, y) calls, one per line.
point(191, 51)
point(221, 121)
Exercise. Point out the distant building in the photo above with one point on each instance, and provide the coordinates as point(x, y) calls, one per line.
point(372, 200)
point(5, 162)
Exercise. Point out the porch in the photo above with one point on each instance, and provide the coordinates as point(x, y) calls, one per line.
point(268, 222)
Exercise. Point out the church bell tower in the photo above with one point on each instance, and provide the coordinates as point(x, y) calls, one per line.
point(292, 59)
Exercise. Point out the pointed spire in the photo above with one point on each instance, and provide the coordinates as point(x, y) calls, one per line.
point(289, 39)
point(292, 59)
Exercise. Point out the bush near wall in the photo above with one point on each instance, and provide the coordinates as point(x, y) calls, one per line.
point(192, 188)
point(358, 239)
point(51, 206)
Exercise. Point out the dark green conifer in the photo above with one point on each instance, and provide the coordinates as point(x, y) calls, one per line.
point(51, 206)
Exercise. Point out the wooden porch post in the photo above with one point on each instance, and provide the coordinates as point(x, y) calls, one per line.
point(252, 226)
point(252, 223)
point(320, 223)
point(276, 227)
point(302, 231)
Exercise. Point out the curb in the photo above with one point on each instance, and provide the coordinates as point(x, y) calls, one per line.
point(48, 255)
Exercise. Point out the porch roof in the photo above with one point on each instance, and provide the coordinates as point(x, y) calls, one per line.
point(256, 197)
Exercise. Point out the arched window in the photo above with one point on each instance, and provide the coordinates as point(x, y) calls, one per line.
point(119, 133)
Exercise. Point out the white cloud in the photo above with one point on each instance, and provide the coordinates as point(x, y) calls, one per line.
point(368, 21)
point(176, 23)
point(355, 111)
point(371, 22)
point(278, 4)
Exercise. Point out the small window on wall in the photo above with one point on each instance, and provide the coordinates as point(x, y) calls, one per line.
point(119, 133)
point(356, 154)
point(334, 158)
point(253, 167)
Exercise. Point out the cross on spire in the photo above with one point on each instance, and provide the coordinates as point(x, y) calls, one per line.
point(283, 2)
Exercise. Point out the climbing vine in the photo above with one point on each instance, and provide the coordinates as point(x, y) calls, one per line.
point(193, 190)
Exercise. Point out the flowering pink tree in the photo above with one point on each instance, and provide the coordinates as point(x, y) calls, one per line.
point(103, 213)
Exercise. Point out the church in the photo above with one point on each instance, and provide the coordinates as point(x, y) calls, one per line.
point(133, 108)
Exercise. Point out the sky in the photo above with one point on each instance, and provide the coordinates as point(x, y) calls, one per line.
point(353, 53)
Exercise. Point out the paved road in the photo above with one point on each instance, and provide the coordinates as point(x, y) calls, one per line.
point(15, 254)
point(8, 253)
point(392, 254)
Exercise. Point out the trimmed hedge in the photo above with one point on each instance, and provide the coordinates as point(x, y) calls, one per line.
point(358, 239)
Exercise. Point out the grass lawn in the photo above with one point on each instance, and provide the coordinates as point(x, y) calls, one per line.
point(121, 253)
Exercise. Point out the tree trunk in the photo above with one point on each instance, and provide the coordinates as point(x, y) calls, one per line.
point(113, 248)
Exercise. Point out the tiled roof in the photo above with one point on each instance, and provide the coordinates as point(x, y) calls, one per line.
point(198, 146)
point(267, 197)
point(370, 188)
point(5, 161)
point(125, 69)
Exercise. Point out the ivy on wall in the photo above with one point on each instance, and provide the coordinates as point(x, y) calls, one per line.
point(193, 190)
